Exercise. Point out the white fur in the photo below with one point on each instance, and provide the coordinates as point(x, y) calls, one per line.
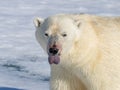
point(90, 57)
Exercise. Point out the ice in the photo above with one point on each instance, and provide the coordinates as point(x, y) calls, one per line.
point(23, 63)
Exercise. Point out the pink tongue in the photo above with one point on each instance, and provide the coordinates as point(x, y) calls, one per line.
point(53, 59)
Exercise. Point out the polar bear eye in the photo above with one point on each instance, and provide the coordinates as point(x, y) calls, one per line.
point(46, 34)
point(64, 35)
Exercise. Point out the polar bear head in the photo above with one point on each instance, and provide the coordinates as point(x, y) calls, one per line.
point(57, 35)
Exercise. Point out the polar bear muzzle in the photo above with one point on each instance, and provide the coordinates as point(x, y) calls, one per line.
point(53, 51)
point(53, 54)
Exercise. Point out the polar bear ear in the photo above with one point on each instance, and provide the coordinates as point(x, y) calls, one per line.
point(77, 23)
point(38, 21)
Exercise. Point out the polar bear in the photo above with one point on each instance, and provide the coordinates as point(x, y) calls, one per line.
point(83, 51)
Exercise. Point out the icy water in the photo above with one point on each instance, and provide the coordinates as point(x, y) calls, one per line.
point(23, 64)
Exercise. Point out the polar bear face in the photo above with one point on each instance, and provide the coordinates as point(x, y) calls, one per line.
point(56, 35)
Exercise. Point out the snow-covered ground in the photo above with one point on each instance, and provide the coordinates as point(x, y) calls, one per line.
point(23, 64)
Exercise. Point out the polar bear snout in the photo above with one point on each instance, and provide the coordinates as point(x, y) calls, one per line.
point(54, 54)
point(53, 51)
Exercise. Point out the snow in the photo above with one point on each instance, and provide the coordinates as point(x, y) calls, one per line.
point(23, 63)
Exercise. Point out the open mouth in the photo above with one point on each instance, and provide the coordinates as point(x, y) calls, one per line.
point(54, 55)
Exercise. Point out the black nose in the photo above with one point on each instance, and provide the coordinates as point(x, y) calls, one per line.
point(53, 51)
